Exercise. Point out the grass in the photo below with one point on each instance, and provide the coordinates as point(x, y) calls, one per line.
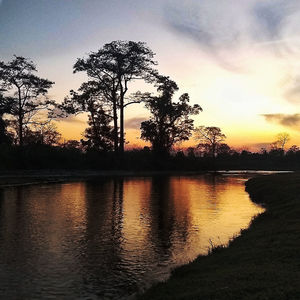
point(262, 263)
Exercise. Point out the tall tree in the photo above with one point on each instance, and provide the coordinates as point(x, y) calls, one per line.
point(4, 109)
point(211, 137)
point(25, 92)
point(89, 99)
point(111, 69)
point(170, 121)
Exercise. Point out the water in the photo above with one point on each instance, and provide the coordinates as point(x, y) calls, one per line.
point(107, 239)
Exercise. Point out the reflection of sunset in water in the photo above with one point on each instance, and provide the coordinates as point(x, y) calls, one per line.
point(185, 213)
point(111, 236)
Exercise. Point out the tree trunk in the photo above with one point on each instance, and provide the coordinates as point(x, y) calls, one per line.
point(116, 138)
point(122, 94)
point(122, 141)
point(20, 120)
point(20, 132)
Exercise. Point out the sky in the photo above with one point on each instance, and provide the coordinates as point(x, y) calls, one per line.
point(238, 59)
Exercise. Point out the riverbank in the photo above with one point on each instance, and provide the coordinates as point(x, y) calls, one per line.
point(262, 263)
point(28, 177)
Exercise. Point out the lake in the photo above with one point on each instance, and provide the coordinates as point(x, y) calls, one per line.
point(109, 238)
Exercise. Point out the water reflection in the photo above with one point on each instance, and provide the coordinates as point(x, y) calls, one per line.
point(108, 238)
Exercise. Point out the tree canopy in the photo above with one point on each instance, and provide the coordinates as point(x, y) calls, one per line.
point(210, 137)
point(24, 92)
point(110, 70)
point(170, 121)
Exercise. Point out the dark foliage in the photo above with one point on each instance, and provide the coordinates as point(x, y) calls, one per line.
point(170, 121)
point(110, 70)
point(99, 134)
point(25, 93)
point(4, 109)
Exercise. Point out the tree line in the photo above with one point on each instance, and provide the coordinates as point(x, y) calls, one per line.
point(27, 113)
point(26, 110)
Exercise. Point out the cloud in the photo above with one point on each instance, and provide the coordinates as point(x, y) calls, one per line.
point(73, 119)
point(292, 89)
point(287, 120)
point(134, 123)
point(229, 30)
point(259, 146)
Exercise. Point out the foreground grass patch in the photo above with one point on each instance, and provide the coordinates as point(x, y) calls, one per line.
point(262, 263)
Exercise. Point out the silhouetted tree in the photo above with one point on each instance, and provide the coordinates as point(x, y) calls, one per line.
point(25, 92)
point(42, 134)
point(293, 150)
point(46, 134)
point(4, 109)
point(281, 140)
point(92, 96)
point(110, 70)
point(223, 150)
point(204, 149)
point(71, 144)
point(170, 121)
point(212, 137)
point(191, 152)
point(99, 134)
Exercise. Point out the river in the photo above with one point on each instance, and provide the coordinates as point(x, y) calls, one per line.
point(109, 238)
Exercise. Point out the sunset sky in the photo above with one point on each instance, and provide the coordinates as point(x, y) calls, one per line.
point(238, 59)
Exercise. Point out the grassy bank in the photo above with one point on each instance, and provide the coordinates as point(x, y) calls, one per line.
point(262, 263)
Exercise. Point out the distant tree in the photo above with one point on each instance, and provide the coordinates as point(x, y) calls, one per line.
point(48, 133)
point(223, 150)
point(246, 153)
point(281, 140)
point(293, 150)
point(276, 152)
point(25, 92)
point(212, 137)
point(110, 70)
point(191, 152)
point(204, 149)
point(263, 151)
point(71, 144)
point(170, 121)
point(43, 134)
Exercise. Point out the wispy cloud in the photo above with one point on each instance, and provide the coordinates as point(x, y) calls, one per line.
point(287, 120)
point(73, 119)
point(134, 123)
point(227, 30)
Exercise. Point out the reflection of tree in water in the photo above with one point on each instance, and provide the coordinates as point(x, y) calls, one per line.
point(169, 223)
point(104, 212)
point(161, 214)
point(21, 244)
point(117, 210)
point(104, 238)
point(16, 221)
point(2, 215)
point(212, 182)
